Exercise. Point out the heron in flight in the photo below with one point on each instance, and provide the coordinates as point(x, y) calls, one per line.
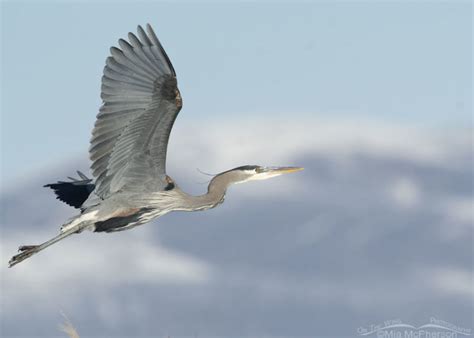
point(128, 147)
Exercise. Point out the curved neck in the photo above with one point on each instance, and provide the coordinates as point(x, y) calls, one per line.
point(215, 192)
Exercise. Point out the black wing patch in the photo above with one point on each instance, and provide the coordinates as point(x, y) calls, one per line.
point(75, 192)
point(116, 223)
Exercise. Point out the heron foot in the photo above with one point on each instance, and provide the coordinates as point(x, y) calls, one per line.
point(25, 252)
point(27, 247)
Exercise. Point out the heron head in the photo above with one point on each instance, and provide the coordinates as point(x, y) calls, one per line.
point(255, 172)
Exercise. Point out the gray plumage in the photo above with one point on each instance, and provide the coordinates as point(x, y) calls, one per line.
point(128, 148)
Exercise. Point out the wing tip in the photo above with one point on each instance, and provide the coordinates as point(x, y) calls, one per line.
point(150, 29)
point(124, 44)
point(114, 51)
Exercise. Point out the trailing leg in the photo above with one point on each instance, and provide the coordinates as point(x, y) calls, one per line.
point(27, 251)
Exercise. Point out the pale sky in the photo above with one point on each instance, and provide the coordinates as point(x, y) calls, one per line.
point(400, 62)
point(378, 225)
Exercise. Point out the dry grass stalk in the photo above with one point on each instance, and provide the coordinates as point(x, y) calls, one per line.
point(68, 328)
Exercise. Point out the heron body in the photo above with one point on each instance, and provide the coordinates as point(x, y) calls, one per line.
point(141, 101)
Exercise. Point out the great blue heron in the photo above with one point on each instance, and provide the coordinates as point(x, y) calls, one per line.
point(128, 149)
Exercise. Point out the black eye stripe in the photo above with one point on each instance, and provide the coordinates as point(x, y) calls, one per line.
point(247, 167)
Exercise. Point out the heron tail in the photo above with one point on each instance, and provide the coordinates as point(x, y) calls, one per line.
point(75, 192)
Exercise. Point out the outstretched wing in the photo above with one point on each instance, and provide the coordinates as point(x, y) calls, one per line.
point(140, 103)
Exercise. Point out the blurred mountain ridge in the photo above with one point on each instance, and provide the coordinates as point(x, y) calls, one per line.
point(379, 225)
